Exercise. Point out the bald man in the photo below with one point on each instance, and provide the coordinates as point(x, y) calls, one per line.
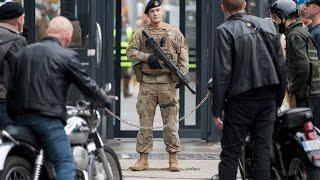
point(41, 82)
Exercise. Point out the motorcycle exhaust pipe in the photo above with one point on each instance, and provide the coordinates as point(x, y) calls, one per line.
point(38, 165)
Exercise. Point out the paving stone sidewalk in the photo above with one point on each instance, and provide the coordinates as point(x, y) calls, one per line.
point(198, 160)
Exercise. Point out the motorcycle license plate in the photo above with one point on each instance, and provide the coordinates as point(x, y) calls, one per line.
point(311, 145)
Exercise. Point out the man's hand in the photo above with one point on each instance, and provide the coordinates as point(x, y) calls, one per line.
point(154, 62)
point(218, 122)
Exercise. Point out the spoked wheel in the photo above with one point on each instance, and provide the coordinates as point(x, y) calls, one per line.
point(245, 160)
point(16, 168)
point(300, 170)
point(242, 167)
point(275, 174)
point(113, 167)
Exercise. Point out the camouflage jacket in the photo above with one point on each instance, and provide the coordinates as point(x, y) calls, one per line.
point(172, 43)
point(298, 60)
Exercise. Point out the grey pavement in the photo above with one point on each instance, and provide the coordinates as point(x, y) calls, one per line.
point(198, 160)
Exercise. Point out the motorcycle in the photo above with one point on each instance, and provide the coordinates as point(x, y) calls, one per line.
point(295, 151)
point(23, 158)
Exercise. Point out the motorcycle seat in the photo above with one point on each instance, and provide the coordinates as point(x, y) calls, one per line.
point(294, 117)
point(23, 134)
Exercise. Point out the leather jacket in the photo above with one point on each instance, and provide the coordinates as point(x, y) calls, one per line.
point(42, 78)
point(10, 43)
point(242, 61)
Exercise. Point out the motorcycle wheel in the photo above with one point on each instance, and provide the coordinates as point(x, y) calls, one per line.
point(303, 170)
point(16, 168)
point(113, 163)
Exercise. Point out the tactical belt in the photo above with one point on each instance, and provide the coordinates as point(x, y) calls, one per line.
point(155, 74)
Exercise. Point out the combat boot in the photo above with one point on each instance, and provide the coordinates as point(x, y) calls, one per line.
point(142, 163)
point(173, 162)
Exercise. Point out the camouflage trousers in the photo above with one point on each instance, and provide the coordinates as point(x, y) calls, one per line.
point(166, 96)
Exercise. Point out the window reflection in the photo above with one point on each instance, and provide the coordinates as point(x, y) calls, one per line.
point(75, 10)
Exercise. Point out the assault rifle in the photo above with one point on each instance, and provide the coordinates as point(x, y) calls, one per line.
point(183, 79)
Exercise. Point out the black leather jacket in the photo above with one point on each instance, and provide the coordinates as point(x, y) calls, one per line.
point(242, 61)
point(42, 77)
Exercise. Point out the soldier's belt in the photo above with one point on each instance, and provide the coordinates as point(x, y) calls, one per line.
point(156, 74)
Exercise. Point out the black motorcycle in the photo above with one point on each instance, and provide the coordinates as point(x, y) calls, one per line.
point(295, 153)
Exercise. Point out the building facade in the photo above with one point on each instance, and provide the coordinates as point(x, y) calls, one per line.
point(98, 35)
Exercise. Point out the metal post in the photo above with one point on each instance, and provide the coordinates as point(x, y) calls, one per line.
point(182, 89)
point(109, 65)
point(30, 19)
point(117, 63)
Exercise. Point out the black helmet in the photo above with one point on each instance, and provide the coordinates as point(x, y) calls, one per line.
point(285, 8)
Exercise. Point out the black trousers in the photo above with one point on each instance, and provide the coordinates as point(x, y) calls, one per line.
point(253, 112)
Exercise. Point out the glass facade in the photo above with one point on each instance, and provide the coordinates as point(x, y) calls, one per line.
point(258, 7)
point(75, 10)
point(180, 13)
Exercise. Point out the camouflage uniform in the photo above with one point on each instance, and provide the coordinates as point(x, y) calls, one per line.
point(157, 86)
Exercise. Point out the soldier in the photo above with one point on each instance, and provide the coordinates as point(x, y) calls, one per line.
point(301, 51)
point(158, 85)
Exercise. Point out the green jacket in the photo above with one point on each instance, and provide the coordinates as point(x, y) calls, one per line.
point(298, 60)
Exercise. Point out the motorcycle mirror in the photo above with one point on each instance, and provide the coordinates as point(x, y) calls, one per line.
point(107, 88)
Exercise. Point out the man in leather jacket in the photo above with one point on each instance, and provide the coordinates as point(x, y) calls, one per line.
point(37, 96)
point(11, 24)
point(248, 85)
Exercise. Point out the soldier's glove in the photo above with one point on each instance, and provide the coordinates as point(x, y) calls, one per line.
point(179, 84)
point(154, 62)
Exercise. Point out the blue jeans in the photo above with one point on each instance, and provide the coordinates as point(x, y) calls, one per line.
point(5, 120)
point(54, 140)
point(314, 103)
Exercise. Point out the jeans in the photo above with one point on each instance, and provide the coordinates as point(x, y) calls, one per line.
point(5, 120)
point(314, 103)
point(243, 116)
point(54, 140)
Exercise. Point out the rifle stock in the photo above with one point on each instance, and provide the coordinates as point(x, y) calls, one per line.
point(184, 79)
